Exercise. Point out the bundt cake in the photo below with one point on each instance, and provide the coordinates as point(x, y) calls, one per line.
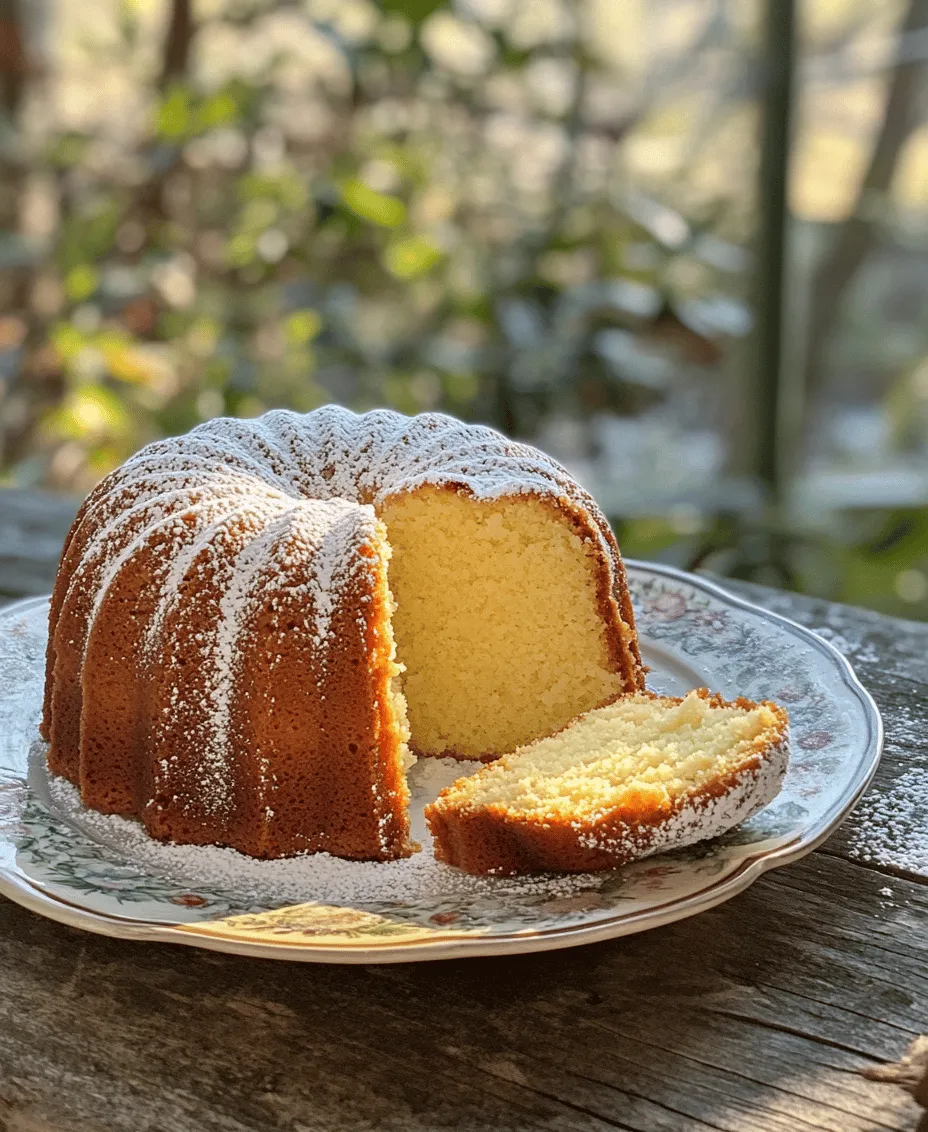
point(640, 776)
point(244, 616)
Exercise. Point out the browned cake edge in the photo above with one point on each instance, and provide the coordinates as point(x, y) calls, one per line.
point(361, 736)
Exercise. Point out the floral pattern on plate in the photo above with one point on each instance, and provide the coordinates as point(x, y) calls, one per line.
point(692, 633)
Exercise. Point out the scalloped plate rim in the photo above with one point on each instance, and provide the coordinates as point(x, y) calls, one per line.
point(452, 946)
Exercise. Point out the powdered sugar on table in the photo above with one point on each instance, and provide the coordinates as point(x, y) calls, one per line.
point(890, 827)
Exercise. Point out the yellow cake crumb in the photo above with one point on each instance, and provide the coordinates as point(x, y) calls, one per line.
point(638, 743)
point(484, 672)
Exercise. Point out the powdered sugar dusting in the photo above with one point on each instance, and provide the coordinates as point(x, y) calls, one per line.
point(891, 827)
point(182, 558)
point(317, 877)
point(347, 526)
point(699, 820)
point(284, 459)
point(334, 453)
point(232, 607)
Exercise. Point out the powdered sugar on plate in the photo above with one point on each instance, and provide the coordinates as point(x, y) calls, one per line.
point(317, 877)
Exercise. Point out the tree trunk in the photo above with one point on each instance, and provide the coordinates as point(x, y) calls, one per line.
point(177, 41)
point(37, 382)
point(13, 68)
point(175, 64)
point(13, 78)
point(854, 239)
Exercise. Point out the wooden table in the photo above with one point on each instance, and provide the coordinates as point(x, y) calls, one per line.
point(763, 1014)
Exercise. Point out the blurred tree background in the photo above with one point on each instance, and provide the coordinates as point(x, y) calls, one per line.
point(536, 213)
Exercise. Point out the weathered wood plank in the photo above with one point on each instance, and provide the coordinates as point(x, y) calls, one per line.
point(753, 1017)
point(911, 1071)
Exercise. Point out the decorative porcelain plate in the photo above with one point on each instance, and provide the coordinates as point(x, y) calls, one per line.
point(103, 874)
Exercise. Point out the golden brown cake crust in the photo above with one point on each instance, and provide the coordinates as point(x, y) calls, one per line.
point(490, 840)
point(313, 757)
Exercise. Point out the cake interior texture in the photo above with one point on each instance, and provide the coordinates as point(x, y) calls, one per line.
point(637, 757)
point(497, 621)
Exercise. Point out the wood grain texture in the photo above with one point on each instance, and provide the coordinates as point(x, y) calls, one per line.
point(753, 1016)
point(33, 525)
point(758, 1016)
point(911, 1071)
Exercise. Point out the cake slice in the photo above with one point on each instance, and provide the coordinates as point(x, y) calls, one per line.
point(644, 774)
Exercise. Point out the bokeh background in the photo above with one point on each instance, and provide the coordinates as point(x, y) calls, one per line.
point(561, 217)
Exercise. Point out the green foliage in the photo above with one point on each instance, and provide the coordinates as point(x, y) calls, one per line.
point(185, 113)
point(90, 410)
point(81, 282)
point(415, 10)
point(411, 257)
point(65, 150)
point(366, 212)
point(246, 249)
point(378, 208)
point(303, 326)
point(88, 236)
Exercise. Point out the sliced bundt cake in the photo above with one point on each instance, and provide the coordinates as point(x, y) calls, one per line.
point(244, 615)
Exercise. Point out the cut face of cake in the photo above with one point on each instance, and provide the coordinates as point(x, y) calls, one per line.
point(639, 776)
point(499, 621)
